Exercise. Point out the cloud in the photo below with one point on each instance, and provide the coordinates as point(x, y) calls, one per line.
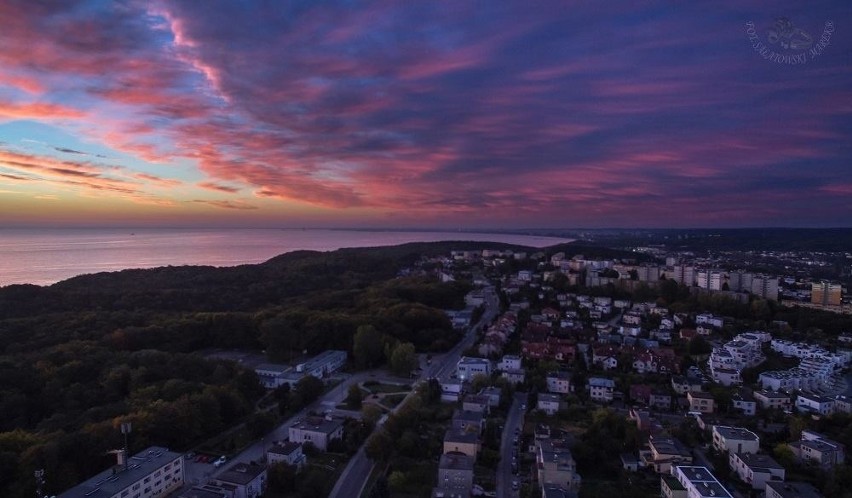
point(219, 188)
point(239, 205)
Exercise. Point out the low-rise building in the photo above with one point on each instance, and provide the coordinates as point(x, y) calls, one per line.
point(735, 440)
point(814, 403)
point(468, 367)
point(775, 489)
point(772, 399)
point(817, 449)
point(559, 382)
point(514, 376)
point(742, 400)
point(755, 469)
point(247, 480)
point(475, 403)
point(601, 389)
point(468, 421)
point(317, 431)
point(455, 475)
point(700, 402)
point(699, 482)
point(460, 441)
point(272, 375)
point(493, 394)
point(509, 362)
point(289, 452)
point(548, 403)
point(152, 472)
point(664, 453)
point(556, 465)
point(670, 487)
point(323, 364)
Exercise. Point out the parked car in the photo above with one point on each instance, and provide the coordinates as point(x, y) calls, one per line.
point(220, 461)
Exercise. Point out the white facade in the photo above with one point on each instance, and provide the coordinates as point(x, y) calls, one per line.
point(601, 389)
point(509, 362)
point(699, 482)
point(318, 431)
point(248, 480)
point(548, 403)
point(469, 367)
point(813, 403)
point(756, 469)
point(735, 440)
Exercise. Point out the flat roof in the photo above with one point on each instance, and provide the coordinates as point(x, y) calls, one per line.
point(241, 473)
point(456, 461)
point(793, 489)
point(735, 433)
point(759, 461)
point(457, 436)
point(272, 367)
point(317, 424)
point(704, 482)
point(116, 479)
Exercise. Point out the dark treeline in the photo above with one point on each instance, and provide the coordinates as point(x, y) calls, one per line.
point(80, 357)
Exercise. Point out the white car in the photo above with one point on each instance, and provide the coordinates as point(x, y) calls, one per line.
point(220, 461)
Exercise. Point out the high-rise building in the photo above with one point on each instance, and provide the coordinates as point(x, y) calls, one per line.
point(826, 293)
point(765, 287)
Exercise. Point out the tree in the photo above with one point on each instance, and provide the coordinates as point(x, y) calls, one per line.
point(699, 346)
point(307, 390)
point(371, 414)
point(282, 477)
point(403, 359)
point(354, 397)
point(379, 446)
point(367, 347)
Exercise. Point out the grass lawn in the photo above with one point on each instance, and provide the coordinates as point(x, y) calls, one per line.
point(380, 388)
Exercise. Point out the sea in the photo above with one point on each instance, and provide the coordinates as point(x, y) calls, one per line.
point(47, 256)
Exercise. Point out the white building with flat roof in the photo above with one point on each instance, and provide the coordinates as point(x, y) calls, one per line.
point(152, 472)
point(469, 367)
point(735, 440)
point(699, 482)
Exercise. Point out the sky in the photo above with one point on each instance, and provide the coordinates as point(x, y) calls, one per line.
point(426, 114)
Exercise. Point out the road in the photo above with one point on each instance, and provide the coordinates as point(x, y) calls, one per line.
point(354, 477)
point(514, 420)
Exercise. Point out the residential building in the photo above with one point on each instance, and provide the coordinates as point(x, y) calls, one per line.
point(556, 465)
point(660, 399)
point(670, 487)
point(317, 431)
point(601, 389)
point(755, 469)
point(772, 399)
point(817, 449)
point(743, 401)
point(548, 403)
point(207, 491)
point(461, 441)
point(559, 382)
point(455, 474)
point(289, 452)
point(700, 402)
point(469, 367)
point(509, 362)
point(475, 403)
point(665, 452)
point(683, 384)
point(323, 364)
point(493, 394)
point(468, 421)
point(791, 489)
point(247, 480)
point(814, 403)
point(765, 286)
point(699, 482)
point(735, 440)
point(514, 376)
point(826, 293)
point(152, 472)
point(451, 391)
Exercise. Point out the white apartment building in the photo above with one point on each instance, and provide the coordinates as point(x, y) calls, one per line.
point(814, 403)
point(789, 380)
point(247, 480)
point(548, 403)
point(756, 469)
point(559, 382)
point(316, 430)
point(699, 482)
point(509, 362)
point(469, 367)
point(708, 319)
point(152, 472)
point(772, 399)
point(735, 440)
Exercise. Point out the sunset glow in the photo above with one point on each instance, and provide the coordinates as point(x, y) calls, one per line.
point(436, 114)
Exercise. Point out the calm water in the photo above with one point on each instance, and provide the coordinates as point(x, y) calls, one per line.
point(46, 256)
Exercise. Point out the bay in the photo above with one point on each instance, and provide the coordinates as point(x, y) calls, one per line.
point(47, 256)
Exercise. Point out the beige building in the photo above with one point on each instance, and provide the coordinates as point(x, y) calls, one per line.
point(664, 452)
point(826, 293)
point(316, 430)
point(556, 466)
point(462, 442)
point(700, 402)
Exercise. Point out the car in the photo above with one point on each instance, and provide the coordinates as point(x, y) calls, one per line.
point(515, 485)
point(220, 461)
point(190, 455)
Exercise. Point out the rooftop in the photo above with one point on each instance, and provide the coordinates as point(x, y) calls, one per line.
point(317, 424)
point(115, 479)
point(704, 482)
point(792, 489)
point(755, 461)
point(241, 473)
point(735, 433)
point(456, 461)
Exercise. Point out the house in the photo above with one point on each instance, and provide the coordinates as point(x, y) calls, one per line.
point(735, 440)
point(559, 382)
point(601, 389)
point(475, 403)
point(772, 399)
point(514, 376)
point(683, 384)
point(317, 431)
point(629, 462)
point(700, 402)
point(548, 403)
point(462, 442)
point(450, 391)
point(742, 400)
point(755, 469)
point(556, 466)
point(455, 475)
point(670, 487)
point(509, 362)
point(791, 489)
point(289, 452)
point(814, 403)
point(469, 367)
point(468, 421)
point(248, 480)
point(664, 453)
point(149, 473)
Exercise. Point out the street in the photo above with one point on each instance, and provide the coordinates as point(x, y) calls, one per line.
point(509, 452)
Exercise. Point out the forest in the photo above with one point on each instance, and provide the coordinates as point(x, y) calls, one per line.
point(82, 356)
